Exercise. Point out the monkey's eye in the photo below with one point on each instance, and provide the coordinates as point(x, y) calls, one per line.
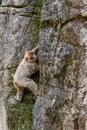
point(32, 53)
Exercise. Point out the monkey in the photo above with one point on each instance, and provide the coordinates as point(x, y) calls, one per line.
point(22, 76)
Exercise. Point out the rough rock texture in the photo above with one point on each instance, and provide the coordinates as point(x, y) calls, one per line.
point(62, 104)
point(19, 28)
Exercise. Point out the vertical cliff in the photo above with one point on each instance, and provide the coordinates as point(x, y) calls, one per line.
point(19, 28)
point(62, 104)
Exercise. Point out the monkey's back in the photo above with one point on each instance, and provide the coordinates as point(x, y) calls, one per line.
point(22, 71)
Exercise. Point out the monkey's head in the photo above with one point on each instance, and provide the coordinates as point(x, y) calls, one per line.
point(30, 56)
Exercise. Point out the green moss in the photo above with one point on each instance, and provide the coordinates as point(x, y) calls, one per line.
point(36, 16)
point(0, 2)
point(20, 114)
point(39, 3)
point(37, 11)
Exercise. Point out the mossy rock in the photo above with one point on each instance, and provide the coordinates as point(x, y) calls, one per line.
point(20, 114)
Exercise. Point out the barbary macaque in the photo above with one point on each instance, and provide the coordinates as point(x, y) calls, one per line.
point(22, 76)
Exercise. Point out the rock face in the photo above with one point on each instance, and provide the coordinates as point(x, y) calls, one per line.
point(62, 104)
point(19, 28)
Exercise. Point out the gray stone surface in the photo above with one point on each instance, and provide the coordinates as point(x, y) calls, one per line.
point(62, 104)
point(19, 28)
point(63, 60)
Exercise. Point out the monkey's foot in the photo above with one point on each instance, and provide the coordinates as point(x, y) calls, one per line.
point(19, 96)
point(35, 92)
point(18, 101)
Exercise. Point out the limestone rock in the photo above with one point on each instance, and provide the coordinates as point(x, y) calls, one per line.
point(19, 29)
point(63, 60)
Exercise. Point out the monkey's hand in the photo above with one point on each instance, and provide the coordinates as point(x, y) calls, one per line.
point(35, 49)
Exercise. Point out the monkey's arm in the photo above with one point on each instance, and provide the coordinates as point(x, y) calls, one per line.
point(34, 67)
point(35, 49)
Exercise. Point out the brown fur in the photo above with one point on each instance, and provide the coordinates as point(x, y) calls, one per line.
point(26, 68)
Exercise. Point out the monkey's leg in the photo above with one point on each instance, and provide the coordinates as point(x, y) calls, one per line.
point(20, 90)
point(19, 94)
point(32, 86)
point(29, 83)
